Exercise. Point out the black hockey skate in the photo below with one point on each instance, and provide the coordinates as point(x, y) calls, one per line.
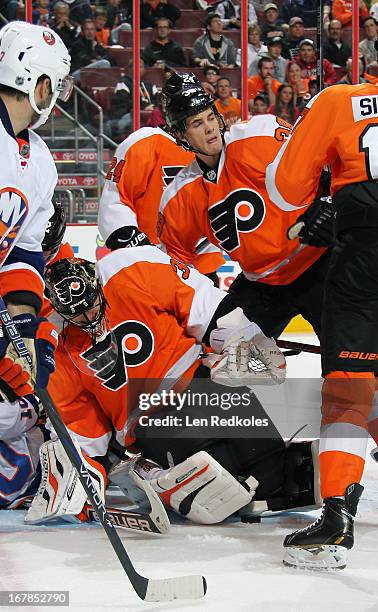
point(324, 544)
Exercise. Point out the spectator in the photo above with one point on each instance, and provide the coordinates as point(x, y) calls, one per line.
point(366, 45)
point(86, 52)
point(270, 24)
point(348, 78)
point(102, 33)
point(286, 104)
point(40, 13)
point(119, 16)
point(312, 87)
point(264, 83)
point(151, 10)
point(342, 10)
point(163, 51)
point(119, 125)
point(212, 47)
point(305, 9)
point(119, 13)
point(274, 52)
point(62, 25)
point(299, 84)
point(295, 36)
point(226, 104)
point(255, 47)
point(307, 60)
point(336, 51)
point(80, 10)
point(211, 74)
point(259, 105)
point(229, 12)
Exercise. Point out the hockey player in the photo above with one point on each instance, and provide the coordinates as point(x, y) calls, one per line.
point(142, 167)
point(33, 73)
point(339, 128)
point(160, 311)
point(22, 432)
point(222, 195)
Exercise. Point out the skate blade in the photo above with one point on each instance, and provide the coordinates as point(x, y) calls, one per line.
point(317, 558)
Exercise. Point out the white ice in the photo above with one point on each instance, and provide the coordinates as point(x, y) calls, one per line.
point(242, 563)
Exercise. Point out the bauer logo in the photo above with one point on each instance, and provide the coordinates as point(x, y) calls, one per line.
point(242, 211)
point(13, 212)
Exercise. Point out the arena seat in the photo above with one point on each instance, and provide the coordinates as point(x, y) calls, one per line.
point(104, 77)
point(155, 76)
point(122, 56)
point(191, 19)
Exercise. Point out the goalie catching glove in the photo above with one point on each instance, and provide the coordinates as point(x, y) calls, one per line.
point(245, 356)
point(41, 339)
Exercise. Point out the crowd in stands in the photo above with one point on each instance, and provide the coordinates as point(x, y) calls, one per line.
point(204, 36)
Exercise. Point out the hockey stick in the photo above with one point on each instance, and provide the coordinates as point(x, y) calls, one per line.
point(165, 589)
point(298, 346)
point(128, 519)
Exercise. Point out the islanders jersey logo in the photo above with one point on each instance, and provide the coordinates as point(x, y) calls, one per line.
point(14, 209)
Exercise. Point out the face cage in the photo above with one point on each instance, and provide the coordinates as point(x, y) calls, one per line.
point(96, 328)
point(181, 127)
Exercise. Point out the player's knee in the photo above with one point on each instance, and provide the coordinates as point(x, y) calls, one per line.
point(347, 397)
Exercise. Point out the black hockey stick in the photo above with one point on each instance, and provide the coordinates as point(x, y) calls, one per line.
point(298, 346)
point(164, 589)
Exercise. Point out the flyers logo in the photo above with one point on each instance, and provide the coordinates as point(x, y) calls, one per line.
point(242, 211)
point(169, 173)
point(135, 344)
point(68, 288)
point(14, 209)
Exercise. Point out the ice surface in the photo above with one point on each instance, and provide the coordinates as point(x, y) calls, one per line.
point(242, 563)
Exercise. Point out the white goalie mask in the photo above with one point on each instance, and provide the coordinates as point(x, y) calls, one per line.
point(26, 53)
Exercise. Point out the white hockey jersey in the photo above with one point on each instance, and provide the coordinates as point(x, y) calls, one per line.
point(20, 439)
point(27, 180)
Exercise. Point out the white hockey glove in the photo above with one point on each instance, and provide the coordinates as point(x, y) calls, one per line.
point(199, 488)
point(245, 355)
point(61, 493)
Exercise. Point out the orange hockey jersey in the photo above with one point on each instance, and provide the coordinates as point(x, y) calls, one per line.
point(158, 310)
point(143, 165)
point(230, 206)
point(339, 128)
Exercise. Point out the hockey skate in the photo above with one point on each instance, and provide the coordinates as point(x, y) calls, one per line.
point(324, 544)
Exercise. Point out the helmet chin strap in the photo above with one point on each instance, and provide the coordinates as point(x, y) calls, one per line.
point(44, 113)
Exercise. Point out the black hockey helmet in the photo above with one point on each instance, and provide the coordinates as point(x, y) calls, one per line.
point(54, 233)
point(74, 289)
point(183, 96)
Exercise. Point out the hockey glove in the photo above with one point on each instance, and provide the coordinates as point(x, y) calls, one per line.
point(41, 340)
point(126, 237)
point(315, 226)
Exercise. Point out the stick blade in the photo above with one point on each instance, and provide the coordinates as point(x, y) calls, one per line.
point(168, 589)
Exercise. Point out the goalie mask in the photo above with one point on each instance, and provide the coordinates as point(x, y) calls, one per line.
point(29, 52)
point(182, 97)
point(76, 294)
point(54, 233)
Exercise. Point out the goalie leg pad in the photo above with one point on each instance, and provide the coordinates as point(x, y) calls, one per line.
point(61, 493)
point(200, 489)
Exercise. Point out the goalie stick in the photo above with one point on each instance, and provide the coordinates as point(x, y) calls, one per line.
point(129, 519)
point(159, 590)
point(298, 346)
